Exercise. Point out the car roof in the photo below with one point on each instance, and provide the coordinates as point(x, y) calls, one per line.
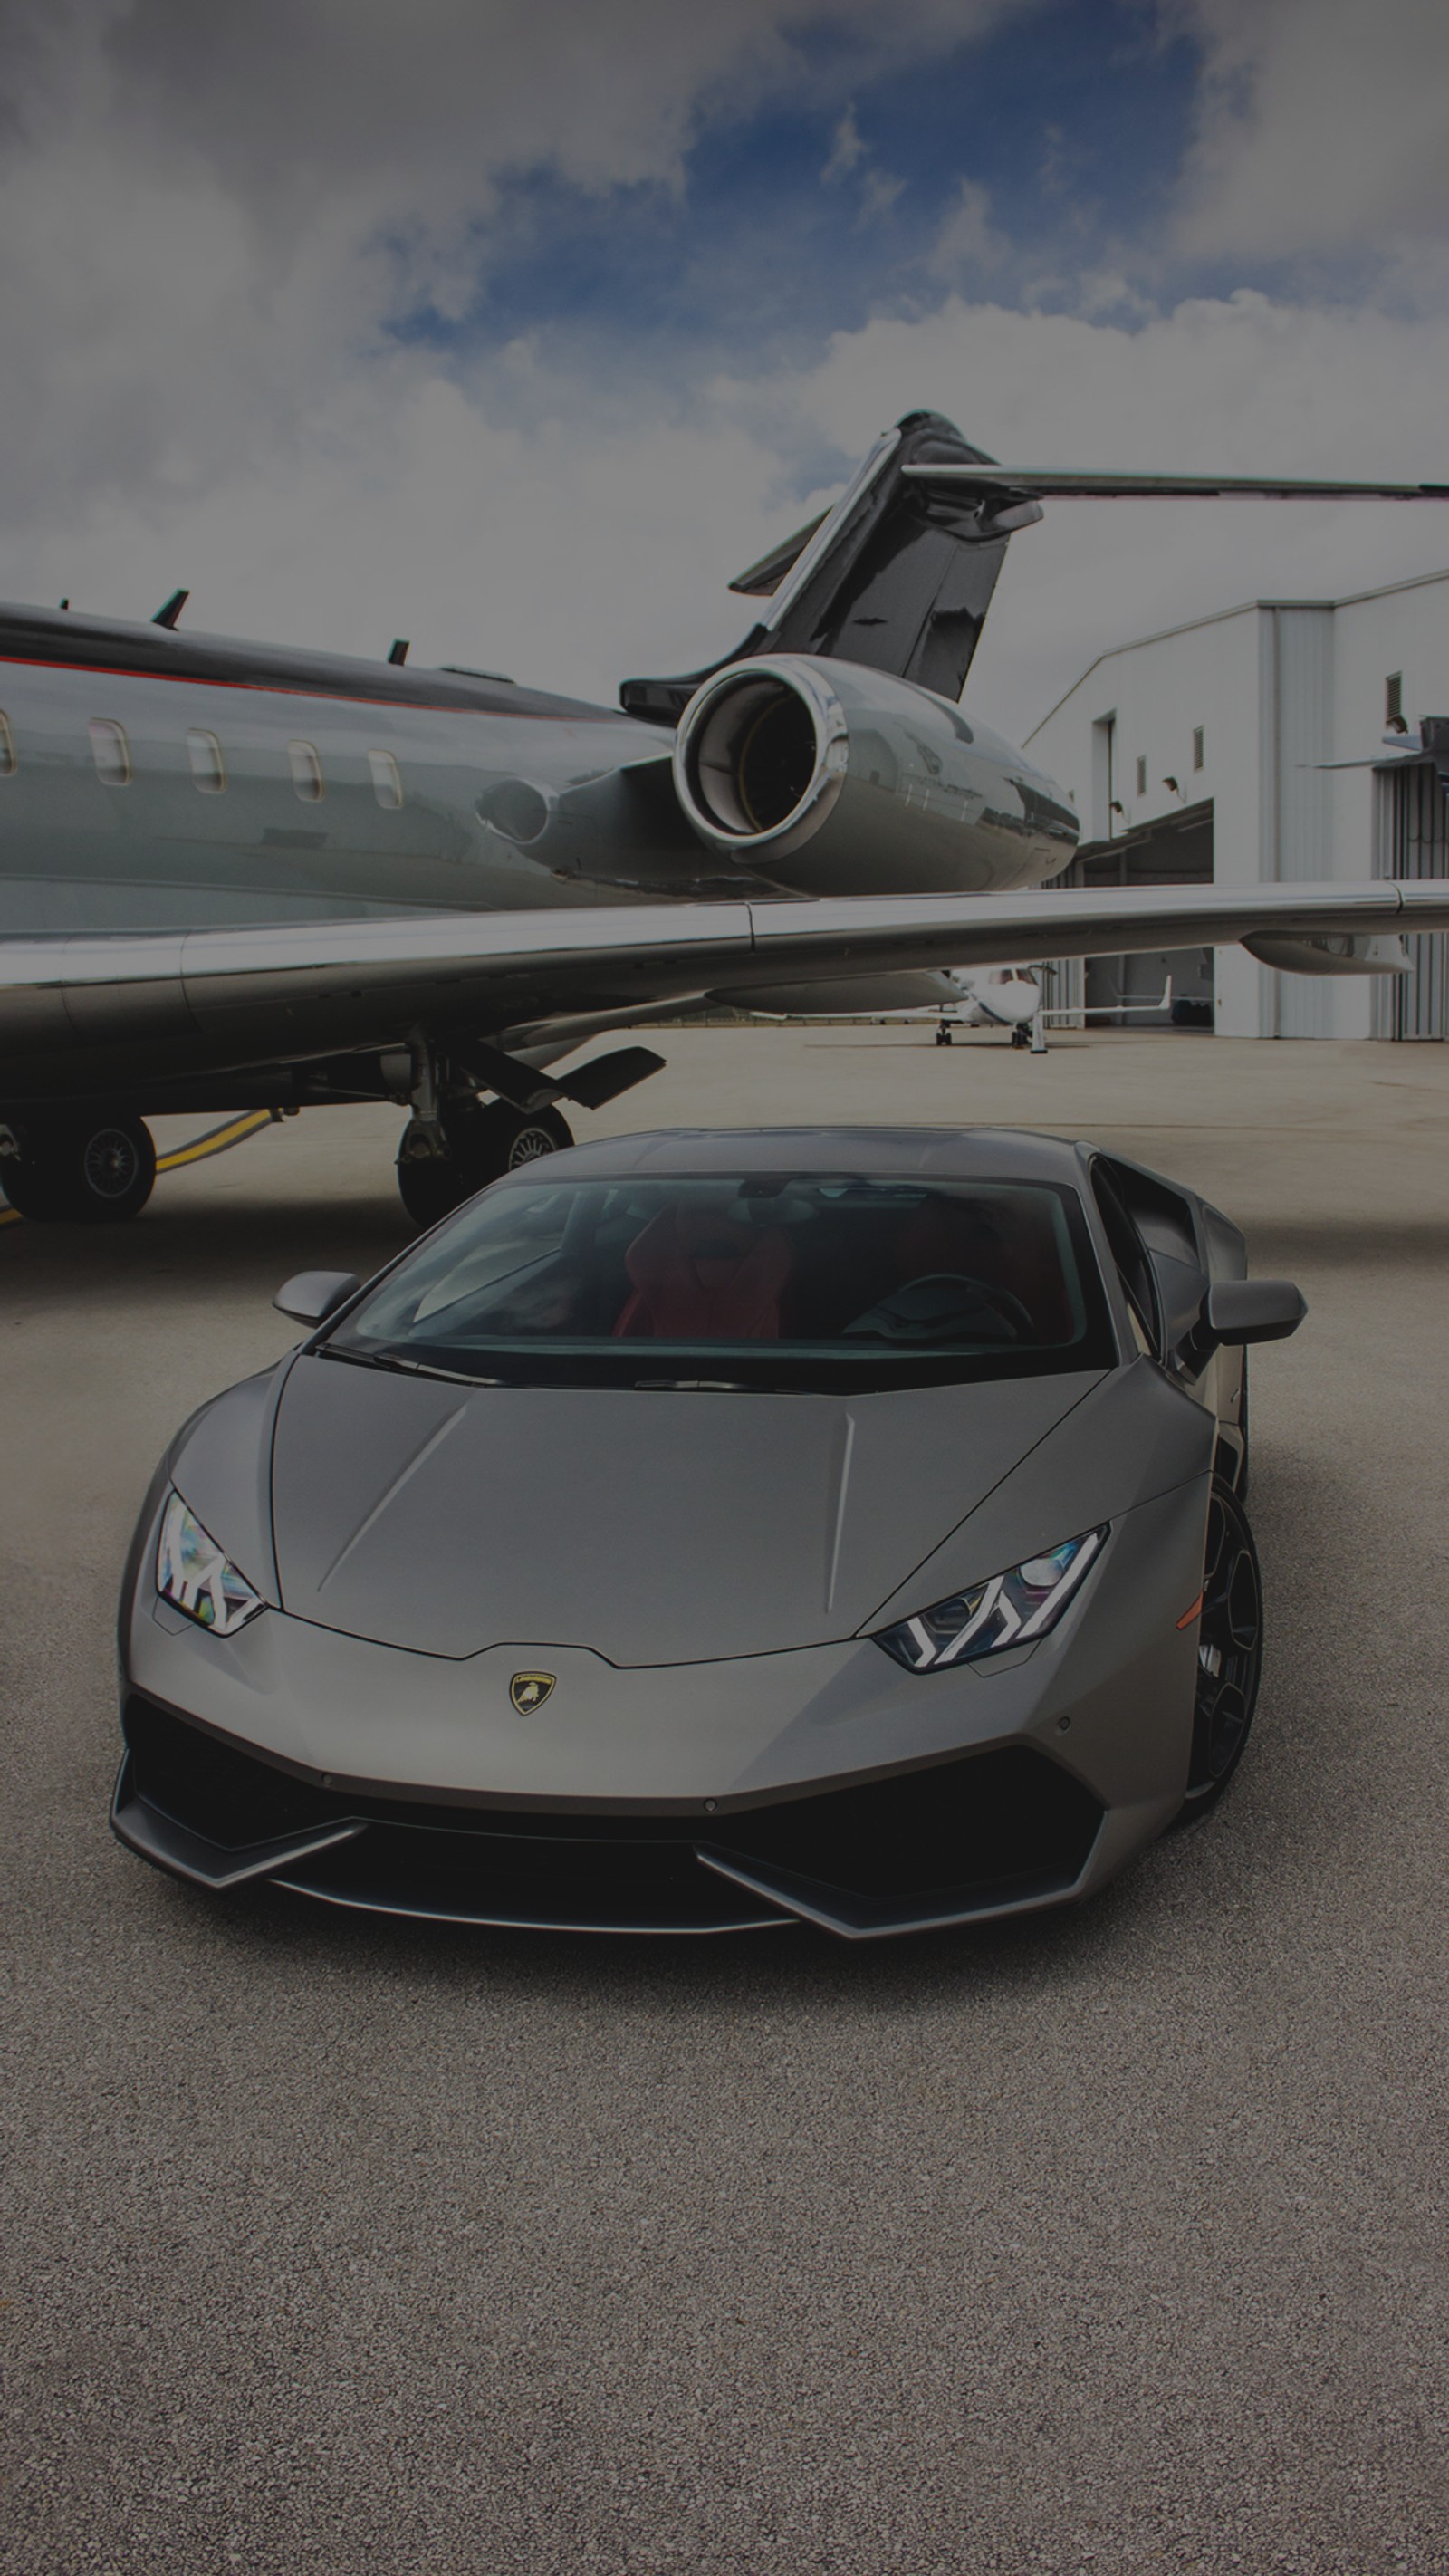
point(939, 1153)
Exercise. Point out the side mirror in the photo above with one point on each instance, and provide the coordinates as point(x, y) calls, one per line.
point(315, 1294)
point(1251, 1310)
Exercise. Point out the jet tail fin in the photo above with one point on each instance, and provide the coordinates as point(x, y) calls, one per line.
point(897, 576)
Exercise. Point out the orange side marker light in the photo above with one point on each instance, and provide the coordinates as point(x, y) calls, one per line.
point(1188, 1616)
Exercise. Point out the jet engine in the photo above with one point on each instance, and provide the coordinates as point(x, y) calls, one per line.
point(825, 777)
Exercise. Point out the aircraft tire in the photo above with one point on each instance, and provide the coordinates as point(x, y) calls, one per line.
point(485, 1143)
point(533, 1134)
point(82, 1171)
point(430, 1188)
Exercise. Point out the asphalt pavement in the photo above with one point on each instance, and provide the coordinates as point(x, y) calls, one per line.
point(1112, 2240)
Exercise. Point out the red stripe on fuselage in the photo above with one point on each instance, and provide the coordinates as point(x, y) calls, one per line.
point(296, 689)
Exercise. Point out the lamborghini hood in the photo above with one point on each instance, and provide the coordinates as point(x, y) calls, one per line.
point(654, 1527)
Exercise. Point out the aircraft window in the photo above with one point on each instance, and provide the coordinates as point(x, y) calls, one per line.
point(306, 772)
point(208, 768)
point(386, 779)
point(111, 752)
point(7, 748)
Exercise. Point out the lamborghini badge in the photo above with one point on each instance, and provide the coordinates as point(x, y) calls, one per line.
point(528, 1691)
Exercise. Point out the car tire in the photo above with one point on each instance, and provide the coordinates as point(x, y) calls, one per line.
point(484, 1143)
point(1229, 1654)
point(82, 1171)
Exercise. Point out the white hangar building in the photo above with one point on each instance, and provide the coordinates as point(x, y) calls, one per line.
point(1202, 754)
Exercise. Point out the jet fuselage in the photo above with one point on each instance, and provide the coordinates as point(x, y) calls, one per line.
point(156, 781)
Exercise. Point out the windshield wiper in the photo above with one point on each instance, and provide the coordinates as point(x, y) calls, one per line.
point(406, 1368)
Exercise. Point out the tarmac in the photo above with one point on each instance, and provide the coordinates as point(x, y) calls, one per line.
point(1109, 2240)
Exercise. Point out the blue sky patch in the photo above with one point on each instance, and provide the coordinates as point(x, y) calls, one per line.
point(831, 205)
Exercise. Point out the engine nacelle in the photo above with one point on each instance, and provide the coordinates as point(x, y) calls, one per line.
point(828, 778)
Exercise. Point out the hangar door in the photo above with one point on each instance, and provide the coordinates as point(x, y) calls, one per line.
point(1414, 842)
point(1176, 850)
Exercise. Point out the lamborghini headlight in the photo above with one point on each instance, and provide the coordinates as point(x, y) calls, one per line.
point(194, 1576)
point(1011, 1609)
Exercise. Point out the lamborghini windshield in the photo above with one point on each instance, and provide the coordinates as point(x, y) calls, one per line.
point(806, 1280)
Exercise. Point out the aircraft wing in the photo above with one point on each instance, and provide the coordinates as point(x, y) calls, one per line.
point(224, 999)
point(987, 930)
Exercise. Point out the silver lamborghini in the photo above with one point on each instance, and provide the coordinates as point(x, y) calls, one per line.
point(705, 1531)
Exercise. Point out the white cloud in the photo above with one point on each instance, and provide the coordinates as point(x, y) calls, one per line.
point(1322, 128)
point(847, 146)
point(212, 216)
point(878, 193)
point(848, 152)
point(968, 241)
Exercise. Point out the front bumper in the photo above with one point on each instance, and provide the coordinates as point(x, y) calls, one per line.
point(824, 1785)
point(994, 1833)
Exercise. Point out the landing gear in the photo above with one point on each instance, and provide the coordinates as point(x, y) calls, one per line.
point(482, 1144)
point(80, 1171)
point(943, 1033)
point(1020, 1036)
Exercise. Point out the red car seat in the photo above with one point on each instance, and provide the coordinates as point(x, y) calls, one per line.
point(699, 1277)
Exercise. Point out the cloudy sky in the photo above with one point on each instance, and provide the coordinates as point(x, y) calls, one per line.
point(517, 326)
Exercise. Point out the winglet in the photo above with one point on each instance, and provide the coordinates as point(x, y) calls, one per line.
point(761, 580)
point(168, 615)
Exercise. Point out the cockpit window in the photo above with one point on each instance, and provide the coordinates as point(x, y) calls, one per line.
point(809, 1280)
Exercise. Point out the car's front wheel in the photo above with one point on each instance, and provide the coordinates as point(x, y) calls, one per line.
point(1229, 1653)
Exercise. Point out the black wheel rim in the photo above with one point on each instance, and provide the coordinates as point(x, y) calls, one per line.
point(1229, 1646)
point(111, 1163)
